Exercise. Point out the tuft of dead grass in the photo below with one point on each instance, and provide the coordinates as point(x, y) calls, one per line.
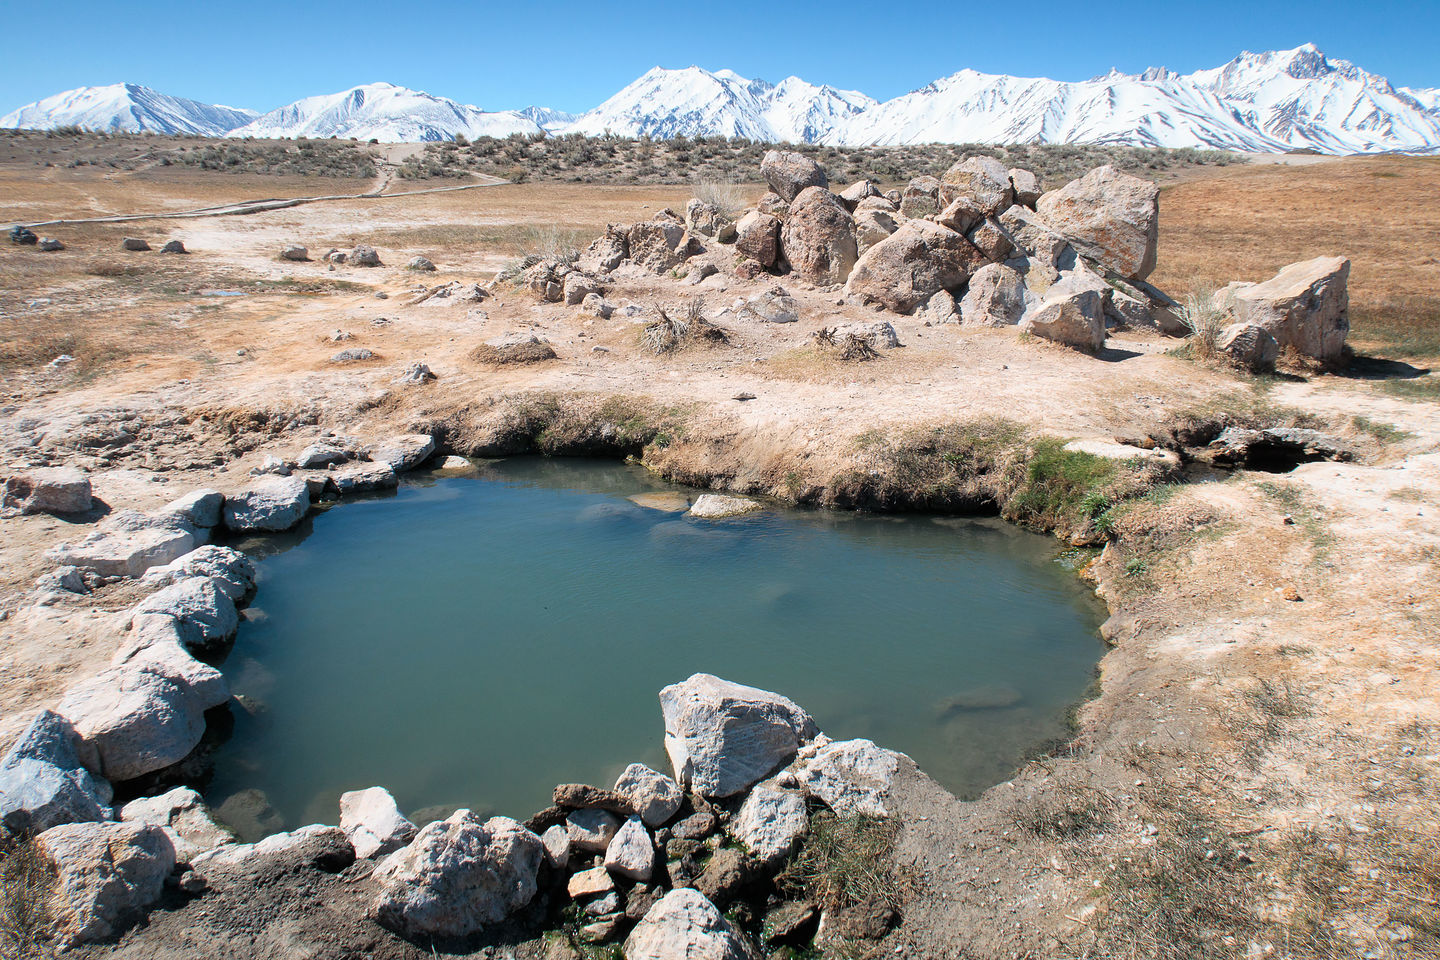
point(844, 861)
point(27, 883)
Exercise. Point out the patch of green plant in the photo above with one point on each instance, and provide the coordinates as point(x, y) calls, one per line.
point(1418, 388)
point(1136, 567)
point(1061, 485)
point(1304, 511)
point(844, 861)
point(1384, 432)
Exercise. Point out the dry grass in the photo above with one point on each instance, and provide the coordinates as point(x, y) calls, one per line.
point(1248, 223)
point(27, 881)
point(680, 327)
point(845, 861)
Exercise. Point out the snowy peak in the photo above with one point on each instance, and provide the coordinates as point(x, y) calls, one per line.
point(385, 112)
point(129, 108)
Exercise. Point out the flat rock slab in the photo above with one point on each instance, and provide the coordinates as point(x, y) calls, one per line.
point(127, 544)
point(715, 506)
point(62, 490)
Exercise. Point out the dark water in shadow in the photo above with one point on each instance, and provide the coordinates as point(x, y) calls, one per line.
point(473, 642)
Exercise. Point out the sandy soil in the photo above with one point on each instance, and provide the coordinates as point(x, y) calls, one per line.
point(1257, 774)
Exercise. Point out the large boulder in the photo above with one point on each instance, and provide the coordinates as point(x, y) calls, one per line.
point(995, 297)
point(921, 197)
point(158, 643)
point(684, 925)
point(1026, 186)
point(363, 477)
point(770, 822)
point(818, 238)
point(270, 503)
point(43, 784)
point(127, 543)
point(1250, 346)
point(858, 191)
point(772, 306)
point(364, 256)
point(373, 822)
point(133, 720)
point(457, 876)
point(106, 875)
point(232, 572)
point(852, 777)
point(1036, 239)
point(789, 173)
point(905, 269)
point(1072, 313)
point(1110, 217)
point(757, 236)
point(200, 508)
point(662, 244)
point(47, 490)
point(654, 796)
point(1305, 307)
point(722, 737)
point(184, 818)
point(983, 180)
point(706, 220)
point(206, 615)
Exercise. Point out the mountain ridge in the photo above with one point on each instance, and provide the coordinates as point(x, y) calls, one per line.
point(1267, 102)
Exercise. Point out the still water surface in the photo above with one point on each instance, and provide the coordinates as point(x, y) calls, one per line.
point(472, 642)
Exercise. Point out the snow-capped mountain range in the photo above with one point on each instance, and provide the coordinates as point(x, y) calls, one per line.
point(1259, 102)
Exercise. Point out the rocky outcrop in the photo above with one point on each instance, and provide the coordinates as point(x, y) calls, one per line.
point(156, 642)
point(1249, 346)
point(107, 874)
point(789, 174)
point(920, 198)
point(185, 820)
point(363, 477)
point(995, 298)
point(1109, 217)
point(722, 737)
point(232, 572)
point(984, 181)
point(905, 269)
point(660, 245)
point(684, 925)
point(457, 876)
point(1036, 239)
point(818, 237)
point(606, 252)
point(62, 490)
point(1305, 307)
point(706, 220)
point(270, 504)
point(199, 508)
point(757, 236)
point(404, 452)
point(373, 822)
point(43, 784)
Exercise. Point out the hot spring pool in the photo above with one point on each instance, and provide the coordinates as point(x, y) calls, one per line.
point(473, 642)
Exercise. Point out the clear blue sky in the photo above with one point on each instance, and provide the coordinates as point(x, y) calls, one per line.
point(572, 55)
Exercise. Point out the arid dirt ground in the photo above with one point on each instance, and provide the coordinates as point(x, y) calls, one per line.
point(1257, 776)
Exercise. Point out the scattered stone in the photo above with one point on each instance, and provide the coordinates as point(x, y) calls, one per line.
point(320, 455)
point(589, 883)
point(655, 797)
point(449, 294)
point(200, 508)
point(340, 336)
point(43, 784)
point(405, 452)
point(62, 580)
point(706, 220)
point(577, 286)
point(184, 818)
point(106, 875)
point(715, 506)
point(982, 180)
point(1110, 217)
point(363, 256)
point(22, 235)
point(907, 268)
point(556, 841)
point(50, 245)
point(995, 297)
point(770, 822)
point(174, 246)
point(134, 244)
point(724, 876)
point(631, 852)
point(420, 265)
point(793, 922)
point(270, 504)
point(685, 926)
point(1250, 346)
point(457, 876)
point(206, 616)
point(295, 252)
point(373, 822)
point(1305, 307)
point(818, 237)
point(363, 477)
point(789, 173)
point(697, 826)
point(416, 372)
point(48, 490)
point(723, 737)
point(127, 543)
point(353, 355)
point(772, 306)
point(591, 830)
point(852, 777)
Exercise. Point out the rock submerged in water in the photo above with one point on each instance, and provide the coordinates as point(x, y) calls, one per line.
point(715, 506)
